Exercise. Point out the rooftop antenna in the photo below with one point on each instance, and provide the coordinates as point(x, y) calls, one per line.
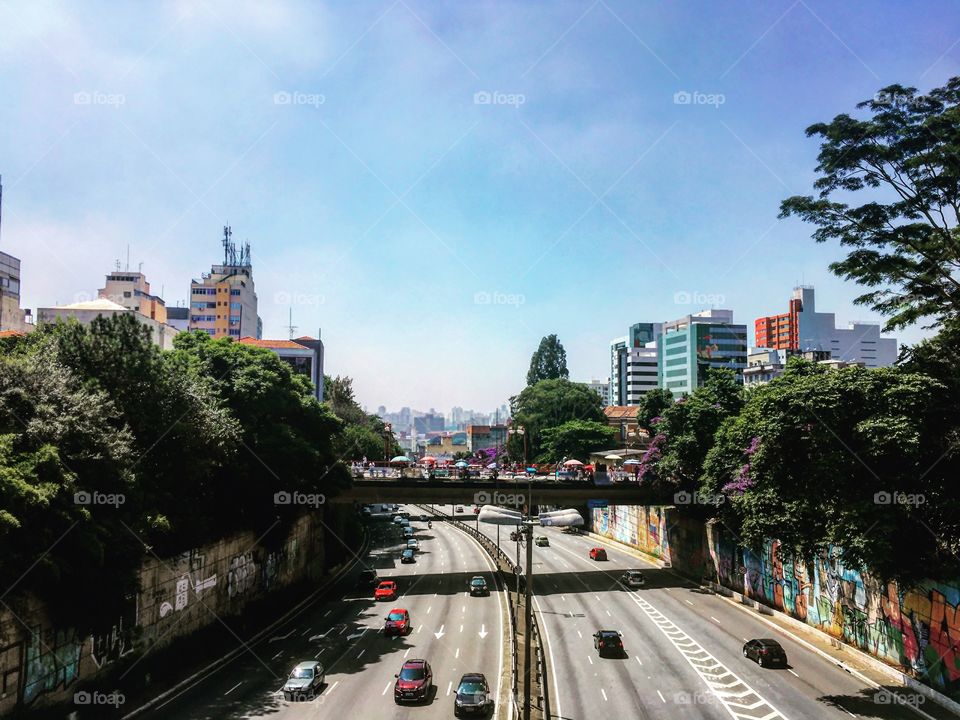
point(140, 268)
point(117, 264)
point(291, 327)
point(229, 251)
point(128, 258)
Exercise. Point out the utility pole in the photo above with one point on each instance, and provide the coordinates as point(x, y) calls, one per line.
point(527, 624)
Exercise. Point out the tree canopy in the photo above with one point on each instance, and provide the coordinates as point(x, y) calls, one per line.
point(575, 439)
point(903, 239)
point(547, 404)
point(652, 405)
point(549, 361)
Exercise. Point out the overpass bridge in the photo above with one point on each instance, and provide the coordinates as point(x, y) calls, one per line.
point(500, 492)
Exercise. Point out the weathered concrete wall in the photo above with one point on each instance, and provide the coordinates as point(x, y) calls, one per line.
point(915, 630)
point(40, 664)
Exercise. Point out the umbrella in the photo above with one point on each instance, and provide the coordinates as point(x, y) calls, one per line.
point(462, 463)
point(429, 459)
point(573, 462)
point(613, 457)
point(492, 466)
point(533, 470)
point(401, 458)
point(631, 462)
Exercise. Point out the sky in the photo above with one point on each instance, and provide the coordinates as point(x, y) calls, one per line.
point(434, 186)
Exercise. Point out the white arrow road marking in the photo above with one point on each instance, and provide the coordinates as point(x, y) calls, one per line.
point(354, 636)
point(439, 634)
point(483, 631)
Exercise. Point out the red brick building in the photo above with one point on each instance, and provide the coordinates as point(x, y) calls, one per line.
point(779, 332)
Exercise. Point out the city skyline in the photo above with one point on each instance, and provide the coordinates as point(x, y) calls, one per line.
point(497, 179)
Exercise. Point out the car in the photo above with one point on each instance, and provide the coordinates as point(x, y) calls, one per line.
point(397, 520)
point(473, 696)
point(459, 509)
point(368, 578)
point(423, 518)
point(608, 642)
point(543, 541)
point(366, 511)
point(633, 579)
point(408, 532)
point(765, 651)
point(414, 682)
point(571, 530)
point(413, 544)
point(476, 509)
point(386, 590)
point(404, 522)
point(397, 622)
point(598, 553)
point(478, 586)
point(304, 680)
point(407, 556)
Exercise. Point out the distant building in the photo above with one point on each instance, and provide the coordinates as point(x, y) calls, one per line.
point(624, 419)
point(132, 291)
point(481, 437)
point(179, 317)
point(766, 365)
point(696, 343)
point(802, 328)
point(304, 355)
point(601, 388)
point(633, 364)
point(85, 313)
point(223, 302)
point(12, 317)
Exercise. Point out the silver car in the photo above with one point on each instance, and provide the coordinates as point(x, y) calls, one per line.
point(305, 680)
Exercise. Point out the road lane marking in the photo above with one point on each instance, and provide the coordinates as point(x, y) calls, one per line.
point(563, 597)
point(420, 628)
point(319, 654)
point(590, 659)
point(457, 654)
point(234, 688)
point(429, 609)
point(279, 653)
point(580, 634)
point(449, 686)
point(604, 693)
point(639, 662)
point(330, 689)
point(608, 614)
point(792, 672)
point(361, 653)
point(687, 602)
point(661, 696)
point(386, 688)
point(407, 652)
point(305, 632)
point(714, 619)
point(461, 628)
point(327, 612)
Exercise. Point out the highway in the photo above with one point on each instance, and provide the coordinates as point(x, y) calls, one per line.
point(456, 633)
point(683, 646)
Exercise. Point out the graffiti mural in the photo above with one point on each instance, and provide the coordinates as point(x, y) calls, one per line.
point(52, 662)
point(242, 575)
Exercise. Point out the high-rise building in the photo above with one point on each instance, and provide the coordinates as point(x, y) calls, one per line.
point(304, 355)
point(633, 364)
point(132, 291)
point(691, 345)
point(802, 328)
point(12, 317)
point(179, 317)
point(223, 302)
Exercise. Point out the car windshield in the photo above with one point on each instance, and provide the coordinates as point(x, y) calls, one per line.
point(395, 616)
point(302, 673)
point(479, 581)
point(470, 688)
point(412, 673)
point(386, 586)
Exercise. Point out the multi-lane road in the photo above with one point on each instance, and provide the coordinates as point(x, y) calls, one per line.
point(683, 646)
point(454, 632)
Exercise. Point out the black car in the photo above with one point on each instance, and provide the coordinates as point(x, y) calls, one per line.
point(368, 578)
point(608, 642)
point(478, 586)
point(765, 651)
point(473, 696)
point(423, 518)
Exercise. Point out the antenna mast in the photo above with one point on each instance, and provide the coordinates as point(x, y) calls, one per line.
point(291, 327)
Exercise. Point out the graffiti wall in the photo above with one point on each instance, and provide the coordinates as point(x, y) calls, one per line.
point(916, 630)
point(40, 664)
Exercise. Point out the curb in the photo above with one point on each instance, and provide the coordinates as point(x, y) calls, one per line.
point(747, 604)
point(208, 669)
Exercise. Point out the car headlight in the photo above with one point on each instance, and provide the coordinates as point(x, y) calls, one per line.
point(457, 702)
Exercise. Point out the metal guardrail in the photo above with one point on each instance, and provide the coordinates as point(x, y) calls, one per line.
point(495, 552)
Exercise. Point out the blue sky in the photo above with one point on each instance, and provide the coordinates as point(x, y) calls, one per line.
point(432, 235)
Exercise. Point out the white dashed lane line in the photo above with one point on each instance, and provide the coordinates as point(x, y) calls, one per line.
point(661, 696)
point(234, 688)
point(604, 693)
point(386, 689)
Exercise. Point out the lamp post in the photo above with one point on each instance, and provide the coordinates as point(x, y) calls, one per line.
point(559, 518)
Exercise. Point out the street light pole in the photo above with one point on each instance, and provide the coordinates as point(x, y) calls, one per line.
point(527, 625)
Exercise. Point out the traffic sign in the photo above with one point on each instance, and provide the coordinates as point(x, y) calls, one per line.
point(517, 570)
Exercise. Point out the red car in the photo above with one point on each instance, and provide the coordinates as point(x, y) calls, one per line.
point(397, 622)
point(598, 554)
point(387, 590)
point(414, 682)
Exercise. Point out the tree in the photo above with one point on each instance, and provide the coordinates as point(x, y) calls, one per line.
point(550, 403)
point(849, 460)
point(685, 432)
point(903, 239)
point(575, 439)
point(362, 434)
point(652, 405)
point(549, 362)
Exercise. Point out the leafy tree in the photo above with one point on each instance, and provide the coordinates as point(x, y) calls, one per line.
point(903, 238)
point(549, 361)
point(363, 433)
point(547, 404)
point(685, 430)
point(850, 459)
point(652, 405)
point(575, 439)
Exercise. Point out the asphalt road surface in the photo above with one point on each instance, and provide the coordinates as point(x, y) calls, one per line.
point(456, 633)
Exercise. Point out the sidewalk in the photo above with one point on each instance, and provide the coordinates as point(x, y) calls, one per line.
point(902, 689)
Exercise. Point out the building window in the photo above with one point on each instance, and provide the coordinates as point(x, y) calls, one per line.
point(235, 292)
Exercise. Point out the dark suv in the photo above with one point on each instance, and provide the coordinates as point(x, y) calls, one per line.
point(368, 579)
point(473, 696)
point(414, 682)
point(478, 586)
point(765, 651)
point(608, 642)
